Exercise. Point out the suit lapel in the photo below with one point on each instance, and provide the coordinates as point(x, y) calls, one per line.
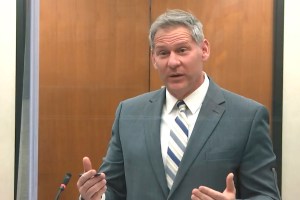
point(211, 111)
point(152, 132)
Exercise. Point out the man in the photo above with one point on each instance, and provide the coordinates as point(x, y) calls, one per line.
point(215, 145)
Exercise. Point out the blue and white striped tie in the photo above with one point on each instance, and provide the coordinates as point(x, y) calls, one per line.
point(177, 143)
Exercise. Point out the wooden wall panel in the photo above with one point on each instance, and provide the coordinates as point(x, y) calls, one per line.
point(93, 54)
point(241, 38)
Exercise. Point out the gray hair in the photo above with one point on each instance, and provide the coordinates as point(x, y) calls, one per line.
point(177, 18)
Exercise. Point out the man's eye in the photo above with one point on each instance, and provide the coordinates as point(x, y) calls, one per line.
point(162, 53)
point(182, 50)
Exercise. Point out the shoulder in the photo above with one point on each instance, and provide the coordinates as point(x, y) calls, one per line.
point(244, 107)
point(145, 97)
point(239, 99)
point(143, 101)
point(232, 100)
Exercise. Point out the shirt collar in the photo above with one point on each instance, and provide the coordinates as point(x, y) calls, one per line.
point(193, 101)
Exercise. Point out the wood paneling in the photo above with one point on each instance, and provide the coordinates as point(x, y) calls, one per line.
point(93, 54)
point(241, 38)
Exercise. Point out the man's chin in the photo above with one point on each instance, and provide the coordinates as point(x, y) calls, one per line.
point(176, 90)
point(175, 87)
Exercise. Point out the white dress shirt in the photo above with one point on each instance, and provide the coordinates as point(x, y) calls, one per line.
point(193, 103)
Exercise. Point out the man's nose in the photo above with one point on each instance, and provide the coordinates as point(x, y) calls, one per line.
point(173, 61)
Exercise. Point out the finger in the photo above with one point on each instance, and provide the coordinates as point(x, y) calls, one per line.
point(230, 183)
point(92, 185)
point(89, 172)
point(195, 194)
point(96, 190)
point(87, 165)
point(98, 195)
point(193, 197)
point(208, 193)
point(84, 178)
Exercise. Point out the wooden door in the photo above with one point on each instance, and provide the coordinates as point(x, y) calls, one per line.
point(93, 54)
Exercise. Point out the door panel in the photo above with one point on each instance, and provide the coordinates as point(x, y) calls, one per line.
point(91, 57)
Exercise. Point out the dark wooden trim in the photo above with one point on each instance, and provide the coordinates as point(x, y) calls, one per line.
point(278, 84)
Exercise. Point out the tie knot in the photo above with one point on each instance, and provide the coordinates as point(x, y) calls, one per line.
point(181, 106)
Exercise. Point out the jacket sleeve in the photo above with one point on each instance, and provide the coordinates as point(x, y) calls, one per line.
point(113, 164)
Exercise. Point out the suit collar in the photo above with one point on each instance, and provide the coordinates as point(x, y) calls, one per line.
point(152, 132)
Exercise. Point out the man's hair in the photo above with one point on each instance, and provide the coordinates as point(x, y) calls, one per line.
point(177, 18)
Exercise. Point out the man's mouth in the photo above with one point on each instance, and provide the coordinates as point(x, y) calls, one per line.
point(175, 75)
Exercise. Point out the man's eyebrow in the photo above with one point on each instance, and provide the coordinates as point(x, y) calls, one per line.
point(176, 45)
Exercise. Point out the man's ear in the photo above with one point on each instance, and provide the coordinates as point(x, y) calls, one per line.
point(153, 60)
point(205, 49)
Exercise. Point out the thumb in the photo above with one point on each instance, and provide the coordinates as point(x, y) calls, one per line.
point(87, 165)
point(230, 183)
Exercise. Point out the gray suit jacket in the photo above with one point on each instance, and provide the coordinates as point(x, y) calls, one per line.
point(230, 135)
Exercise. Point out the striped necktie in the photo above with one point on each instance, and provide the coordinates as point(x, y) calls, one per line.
point(177, 143)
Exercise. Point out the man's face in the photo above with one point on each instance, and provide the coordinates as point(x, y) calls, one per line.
point(179, 60)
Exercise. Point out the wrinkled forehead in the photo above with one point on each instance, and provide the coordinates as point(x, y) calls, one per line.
point(173, 28)
point(171, 35)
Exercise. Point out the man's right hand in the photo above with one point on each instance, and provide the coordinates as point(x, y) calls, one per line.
point(91, 187)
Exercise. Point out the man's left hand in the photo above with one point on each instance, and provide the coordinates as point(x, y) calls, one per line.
point(206, 193)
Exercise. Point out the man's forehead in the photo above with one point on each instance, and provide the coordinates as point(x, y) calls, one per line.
point(171, 30)
point(173, 37)
point(171, 44)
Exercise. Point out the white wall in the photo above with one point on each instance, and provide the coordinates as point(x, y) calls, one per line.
point(291, 102)
point(7, 96)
